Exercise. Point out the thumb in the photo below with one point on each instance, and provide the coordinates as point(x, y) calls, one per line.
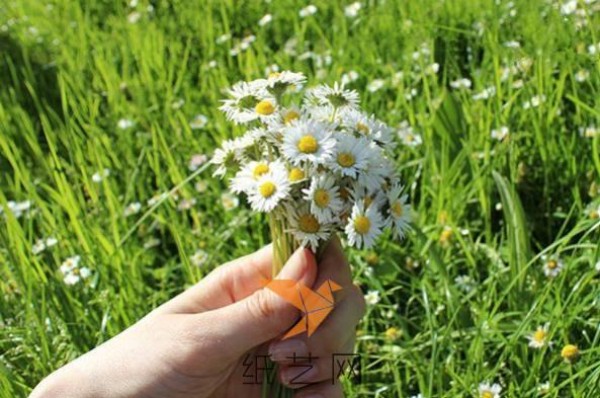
point(263, 315)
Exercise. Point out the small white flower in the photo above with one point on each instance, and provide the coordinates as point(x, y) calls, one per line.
point(229, 201)
point(125, 124)
point(278, 82)
point(539, 338)
point(269, 191)
point(372, 297)
point(132, 208)
point(150, 243)
point(408, 136)
point(544, 388)
point(186, 204)
point(308, 141)
point(432, 69)
point(229, 155)
point(582, 75)
point(350, 156)
point(306, 228)
point(569, 7)
point(351, 10)
point(593, 49)
point(375, 85)
point(486, 93)
point(246, 179)
point(465, 283)
point(17, 208)
point(72, 272)
point(512, 44)
point(349, 77)
point(534, 102)
point(308, 11)
point(552, 265)
point(598, 266)
point(399, 211)
point(364, 225)
point(336, 96)
point(324, 198)
point(199, 258)
point(500, 134)
point(589, 131)
point(265, 20)
point(199, 122)
point(196, 161)
point(43, 244)
point(462, 83)
point(134, 17)
point(100, 175)
point(487, 390)
point(201, 186)
point(249, 102)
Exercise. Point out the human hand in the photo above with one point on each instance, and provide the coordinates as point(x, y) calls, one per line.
point(195, 345)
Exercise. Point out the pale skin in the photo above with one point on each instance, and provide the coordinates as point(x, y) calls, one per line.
point(195, 344)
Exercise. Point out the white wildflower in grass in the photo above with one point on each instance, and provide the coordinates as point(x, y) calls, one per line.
point(568, 7)
point(265, 20)
point(465, 283)
point(199, 258)
point(486, 93)
point(308, 11)
point(199, 122)
point(125, 124)
point(349, 77)
point(487, 390)
point(228, 156)
point(597, 266)
point(364, 225)
point(589, 131)
point(223, 38)
point(42, 244)
point(461, 84)
point(408, 136)
point(552, 265)
point(201, 186)
point(150, 243)
point(351, 10)
point(196, 161)
point(539, 338)
point(375, 85)
point(500, 133)
point(248, 102)
point(372, 297)
point(544, 388)
point(132, 208)
point(17, 209)
point(229, 201)
point(186, 204)
point(512, 44)
point(582, 75)
point(100, 175)
point(324, 198)
point(534, 102)
point(308, 141)
point(72, 272)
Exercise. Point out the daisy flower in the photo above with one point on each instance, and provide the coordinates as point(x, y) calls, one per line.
point(373, 177)
point(307, 229)
point(350, 156)
point(269, 191)
point(372, 297)
point(249, 102)
point(71, 271)
point(245, 180)
point(570, 353)
point(308, 141)
point(278, 82)
point(227, 156)
point(336, 96)
point(552, 265)
point(539, 338)
point(324, 198)
point(487, 390)
point(364, 225)
point(399, 211)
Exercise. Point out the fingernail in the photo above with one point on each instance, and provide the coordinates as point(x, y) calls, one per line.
point(288, 350)
point(299, 375)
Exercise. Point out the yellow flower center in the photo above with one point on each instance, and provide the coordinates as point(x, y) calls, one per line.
point(308, 224)
point(260, 169)
point(487, 394)
point(362, 224)
point(290, 116)
point(308, 144)
point(392, 333)
point(552, 264)
point(346, 159)
point(274, 75)
point(322, 198)
point(397, 209)
point(569, 352)
point(265, 108)
point(267, 189)
point(594, 215)
point(296, 175)
point(539, 336)
point(363, 128)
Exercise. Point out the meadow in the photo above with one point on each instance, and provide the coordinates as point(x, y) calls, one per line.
point(108, 207)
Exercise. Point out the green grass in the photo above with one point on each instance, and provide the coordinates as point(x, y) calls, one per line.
point(70, 70)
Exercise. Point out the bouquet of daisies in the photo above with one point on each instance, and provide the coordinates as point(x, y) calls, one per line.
point(314, 162)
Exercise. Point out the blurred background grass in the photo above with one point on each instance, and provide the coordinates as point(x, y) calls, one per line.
point(133, 88)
